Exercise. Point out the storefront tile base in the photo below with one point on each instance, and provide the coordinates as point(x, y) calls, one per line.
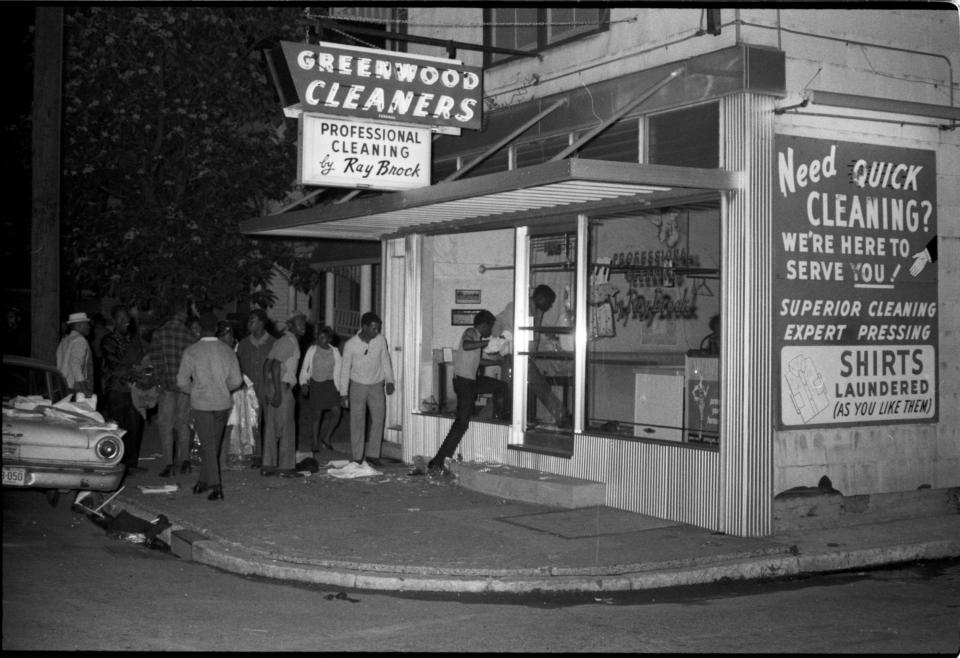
point(531, 486)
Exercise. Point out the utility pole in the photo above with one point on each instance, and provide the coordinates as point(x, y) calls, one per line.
point(45, 227)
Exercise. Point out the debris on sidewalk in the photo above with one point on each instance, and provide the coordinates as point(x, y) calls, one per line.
point(121, 524)
point(158, 488)
point(94, 497)
point(127, 527)
point(340, 596)
point(308, 464)
point(351, 470)
point(419, 465)
point(273, 471)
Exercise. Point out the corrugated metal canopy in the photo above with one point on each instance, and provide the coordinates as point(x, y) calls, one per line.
point(502, 199)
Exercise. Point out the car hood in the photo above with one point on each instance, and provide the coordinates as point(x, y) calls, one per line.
point(43, 430)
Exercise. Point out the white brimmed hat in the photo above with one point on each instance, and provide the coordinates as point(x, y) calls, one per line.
point(77, 317)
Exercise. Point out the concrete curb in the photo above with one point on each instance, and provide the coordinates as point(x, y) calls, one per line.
point(214, 554)
point(199, 546)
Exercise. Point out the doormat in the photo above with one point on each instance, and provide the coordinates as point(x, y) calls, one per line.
point(587, 522)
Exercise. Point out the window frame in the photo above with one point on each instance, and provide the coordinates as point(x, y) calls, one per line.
point(491, 59)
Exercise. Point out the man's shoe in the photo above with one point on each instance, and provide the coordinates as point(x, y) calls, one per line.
point(216, 494)
point(167, 472)
point(200, 487)
point(373, 461)
point(185, 467)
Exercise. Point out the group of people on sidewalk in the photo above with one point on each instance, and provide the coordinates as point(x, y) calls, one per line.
point(204, 377)
point(206, 381)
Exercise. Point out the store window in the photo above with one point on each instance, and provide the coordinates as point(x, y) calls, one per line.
point(653, 343)
point(685, 138)
point(462, 274)
point(385, 19)
point(619, 143)
point(537, 28)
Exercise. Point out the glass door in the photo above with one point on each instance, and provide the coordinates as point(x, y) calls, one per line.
point(547, 334)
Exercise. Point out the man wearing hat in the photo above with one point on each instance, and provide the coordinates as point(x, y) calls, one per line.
point(280, 369)
point(74, 358)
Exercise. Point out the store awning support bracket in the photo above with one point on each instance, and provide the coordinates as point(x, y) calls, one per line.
point(619, 114)
point(872, 104)
point(506, 140)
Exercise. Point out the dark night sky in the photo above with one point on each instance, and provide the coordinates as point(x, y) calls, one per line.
point(16, 21)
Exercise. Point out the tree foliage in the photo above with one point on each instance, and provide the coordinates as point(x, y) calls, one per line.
point(172, 135)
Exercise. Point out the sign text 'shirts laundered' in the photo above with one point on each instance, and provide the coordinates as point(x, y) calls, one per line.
point(856, 310)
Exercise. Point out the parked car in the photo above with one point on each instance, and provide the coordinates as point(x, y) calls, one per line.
point(64, 451)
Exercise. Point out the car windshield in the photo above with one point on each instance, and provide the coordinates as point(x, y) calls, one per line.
point(25, 380)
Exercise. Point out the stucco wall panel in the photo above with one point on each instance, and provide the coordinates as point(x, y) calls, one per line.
point(946, 471)
point(863, 460)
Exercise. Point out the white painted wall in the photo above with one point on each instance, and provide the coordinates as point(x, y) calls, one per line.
point(288, 300)
point(860, 460)
point(876, 459)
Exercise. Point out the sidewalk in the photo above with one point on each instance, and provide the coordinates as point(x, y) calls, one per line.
point(397, 532)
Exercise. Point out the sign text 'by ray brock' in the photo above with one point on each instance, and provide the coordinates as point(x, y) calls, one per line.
point(383, 85)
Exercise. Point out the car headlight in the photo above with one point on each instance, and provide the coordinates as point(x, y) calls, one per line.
point(109, 447)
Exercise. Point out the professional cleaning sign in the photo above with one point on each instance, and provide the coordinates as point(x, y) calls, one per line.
point(362, 154)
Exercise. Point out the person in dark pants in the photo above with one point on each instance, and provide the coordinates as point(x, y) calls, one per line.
point(467, 384)
point(123, 355)
point(209, 373)
point(252, 352)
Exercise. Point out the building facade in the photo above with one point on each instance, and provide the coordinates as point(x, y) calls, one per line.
point(748, 218)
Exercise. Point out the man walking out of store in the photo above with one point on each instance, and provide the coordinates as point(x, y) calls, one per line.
point(280, 433)
point(365, 373)
point(467, 384)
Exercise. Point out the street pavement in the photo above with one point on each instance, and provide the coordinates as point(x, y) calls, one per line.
point(398, 532)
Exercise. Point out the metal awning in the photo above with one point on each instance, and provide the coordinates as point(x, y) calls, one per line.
point(503, 199)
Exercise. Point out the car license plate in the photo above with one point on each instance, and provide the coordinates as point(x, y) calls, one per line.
point(14, 477)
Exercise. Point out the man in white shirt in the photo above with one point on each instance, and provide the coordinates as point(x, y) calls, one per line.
point(74, 358)
point(365, 373)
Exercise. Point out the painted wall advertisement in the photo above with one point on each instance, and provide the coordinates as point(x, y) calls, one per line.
point(855, 284)
point(362, 154)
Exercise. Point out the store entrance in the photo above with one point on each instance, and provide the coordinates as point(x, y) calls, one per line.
point(549, 354)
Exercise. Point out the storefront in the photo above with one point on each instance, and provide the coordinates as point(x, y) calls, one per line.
point(659, 368)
